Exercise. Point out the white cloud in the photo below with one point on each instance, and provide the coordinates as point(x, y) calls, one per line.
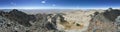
point(53, 5)
point(12, 3)
point(43, 2)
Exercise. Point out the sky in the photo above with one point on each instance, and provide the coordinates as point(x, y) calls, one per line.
point(58, 4)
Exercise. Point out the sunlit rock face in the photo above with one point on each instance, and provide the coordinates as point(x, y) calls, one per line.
point(117, 19)
point(77, 21)
point(118, 22)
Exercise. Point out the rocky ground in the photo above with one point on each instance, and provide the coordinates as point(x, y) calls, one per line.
point(72, 21)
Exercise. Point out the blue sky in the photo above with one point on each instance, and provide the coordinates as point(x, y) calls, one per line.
point(47, 4)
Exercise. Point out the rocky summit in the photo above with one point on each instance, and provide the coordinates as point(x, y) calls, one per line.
point(65, 21)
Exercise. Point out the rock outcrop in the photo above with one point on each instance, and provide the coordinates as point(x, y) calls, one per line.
point(18, 16)
point(111, 14)
point(72, 21)
point(105, 21)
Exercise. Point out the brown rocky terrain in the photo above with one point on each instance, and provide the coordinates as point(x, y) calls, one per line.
point(72, 21)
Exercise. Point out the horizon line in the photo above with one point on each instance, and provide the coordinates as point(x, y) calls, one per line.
point(58, 8)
